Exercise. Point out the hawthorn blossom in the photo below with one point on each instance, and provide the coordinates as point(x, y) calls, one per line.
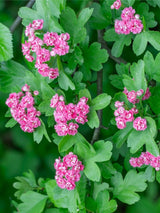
point(22, 109)
point(68, 171)
point(66, 116)
point(128, 23)
point(146, 158)
point(57, 45)
point(140, 124)
point(116, 5)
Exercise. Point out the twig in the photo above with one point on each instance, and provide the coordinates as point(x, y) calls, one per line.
point(18, 19)
point(99, 91)
point(100, 82)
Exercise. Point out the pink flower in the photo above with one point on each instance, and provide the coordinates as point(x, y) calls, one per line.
point(37, 24)
point(146, 158)
point(127, 14)
point(50, 38)
point(128, 116)
point(54, 101)
point(140, 92)
point(22, 109)
point(116, 5)
point(36, 92)
point(140, 124)
point(137, 26)
point(29, 58)
point(61, 129)
point(120, 122)
point(65, 113)
point(129, 23)
point(53, 73)
point(26, 88)
point(43, 69)
point(68, 171)
point(147, 94)
point(118, 104)
point(26, 48)
point(132, 96)
point(29, 31)
point(57, 45)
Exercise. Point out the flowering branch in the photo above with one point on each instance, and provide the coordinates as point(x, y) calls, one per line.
point(18, 19)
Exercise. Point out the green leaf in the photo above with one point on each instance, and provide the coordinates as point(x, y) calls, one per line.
point(98, 187)
point(45, 107)
point(40, 132)
point(138, 138)
point(153, 3)
point(128, 3)
point(104, 204)
point(103, 151)
point(125, 190)
point(154, 100)
point(6, 47)
point(101, 16)
point(150, 174)
point(65, 82)
point(116, 80)
point(152, 126)
point(50, 8)
point(56, 211)
point(92, 171)
point(12, 75)
point(93, 120)
point(107, 169)
point(84, 150)
point(140, 43)
point(74, 59)
point(81, 187)
point(143, 11)
point(120, 41)
point(68, 141)
point(139, 81)
point(150, 68)
point(25, 183)
point(84, 16)
point(32, 202)
point(94, 56)
point(28, 15)
point(158, 176)
point(85, 93)
point(73, 25)
point(61, 198)
point(121, 136)
point(11, 123)
point(153, 38)
point(101, 101)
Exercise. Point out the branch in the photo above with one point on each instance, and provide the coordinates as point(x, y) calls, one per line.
point(99, 91)
point(100, 82)
point(18, 20)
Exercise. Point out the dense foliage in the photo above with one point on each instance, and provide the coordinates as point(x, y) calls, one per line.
point(82, 105)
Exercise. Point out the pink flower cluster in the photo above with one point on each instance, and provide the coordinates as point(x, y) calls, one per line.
point(116, 5)
point(132, 95)
point(51, 45)
point(146, 158)
point(123, 116)
point(68, 171)
point(22, 109)
point(65, 113)
point(129, 23)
